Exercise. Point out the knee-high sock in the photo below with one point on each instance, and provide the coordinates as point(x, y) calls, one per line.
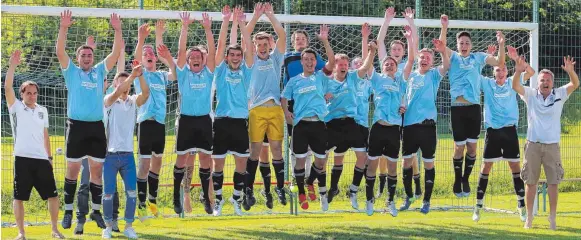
point(250, 176)
point(391, 185)
point(70, 189)
point(218, 181)
point(382, 181)
point(205, 175)
point(458, 175)
point(429, 183)
point(178, 176)
point(278, 166)
point(238, 185)
point(369, 184)
point(482, 185)
point(357, 177)
point(96, 196)
point(141, 192)
point(266, 178)
point(300, 177)
point(153, 181)
point(336, 175)
point(519, 189)
point(407, 181)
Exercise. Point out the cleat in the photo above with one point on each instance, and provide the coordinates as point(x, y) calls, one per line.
point(248, 200)
point(98, 218)
point(130, 233)
point(280, 192)
point(353, 199)
point(67, 220)
point(107, 233)
point(268, 197)
point(324, 202)
point(407, 202)
point(332, 194)
point(425, 208)
point(311, 192)
point(115, 226)
point(218, 207)
point(236, 203)
point(369, 207)
point(391, 209)
point(476, 214)
point(79, 229)
point(208, 207)
point(303, 201)
point(522, 212)
point(153, 209)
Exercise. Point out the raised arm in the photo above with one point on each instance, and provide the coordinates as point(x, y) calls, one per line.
point(443, 32)
point(442, 49)
point(226, 13)
point(258, 11)
point(9, 81)
point(121, 59)
point(368, 62)
point(280, 32)
point(248, 53)
point(324, 37)
point(61, 54)
point(144, 95)
point(111, 59)
point(234, 33)
point(124, 86)
point(500, 58)
point(365, 32)
point(142, 33)
point(512, 54)
point(412, 50)
point(182, 47)
point(211, 56)
point(389, 15)
point(163, 51)
point(409, 16)
point(159, 31)
point(569, 68)
point(519, 68)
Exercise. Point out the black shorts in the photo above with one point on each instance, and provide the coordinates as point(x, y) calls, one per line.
point(37, 173)
point(364, 131)
point(466, 123)
point(384, 141)
point(420, 136)
point(231, 136)
point(343, 134)
point(501, 144)
point(309, 134)
point(194, 133)
point(150, 138)
point(85, 139)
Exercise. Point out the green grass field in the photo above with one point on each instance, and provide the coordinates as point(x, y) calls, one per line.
point(348, 225)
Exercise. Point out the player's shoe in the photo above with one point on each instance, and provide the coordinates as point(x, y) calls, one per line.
point(303, 201)
point(115, 226)
point(236, 204)
point(324, 202)
point(268, 199)
point(369, 207)
point(67, 220)
point(280, 192)
point(153, 209)
point(332, 193)
point(311, 192)
point(425, 208)
point(107, 233)
point(353, 199)
point(407, 202)
point(248, 200)
point(98, 218)
point(476, 214)
point(208, 206)
point(391, 209)
point(130, 233)
point(218, 207)
point(522, 213)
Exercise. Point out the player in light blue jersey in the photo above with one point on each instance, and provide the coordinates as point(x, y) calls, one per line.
point(307, 90)
point(501, 116)
point(85, 128)
point(232, 80)
point(266, 117)
point(420, 118)
point(465, 91)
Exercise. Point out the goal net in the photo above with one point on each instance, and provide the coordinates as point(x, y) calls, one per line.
point(34, 30)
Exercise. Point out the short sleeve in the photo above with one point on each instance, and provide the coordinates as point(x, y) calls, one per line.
point(481, 57)
point(561, 93)
point(320, 63)
point(67, 72)
point(287, 92)
point(101, 68)
point(165, 77)
point(16, 106)
point(436, 76)
point(247, 71)
point(277, 57)
point(322, 78)
point(529, 92)
point(46, 117)
point(219, 70)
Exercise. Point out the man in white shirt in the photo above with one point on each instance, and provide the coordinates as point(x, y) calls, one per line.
point(544, 108)
point(33, 159)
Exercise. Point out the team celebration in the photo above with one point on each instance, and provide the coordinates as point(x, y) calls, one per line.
point(250, 95)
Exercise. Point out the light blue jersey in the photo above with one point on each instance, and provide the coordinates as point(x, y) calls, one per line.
point(465, 76)
point(85, 92)
point(421, 94)
point(308, 94)
point(195, 91)
point(232, 90)
point(344, 100)
point(155, 106)
point(265, 81)
point(500, 103)
point(364, 91)
point(387, 97)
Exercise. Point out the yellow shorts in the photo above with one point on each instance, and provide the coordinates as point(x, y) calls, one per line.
point(266, 120)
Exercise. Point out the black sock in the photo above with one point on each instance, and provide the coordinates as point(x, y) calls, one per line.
point(205, 180)
point(141, 191)
point(300, 177)
point(218, 181)
point(407, 181)
point(417, 184)
point(429, 183)
point(519, 189)
point(250, 176)
point(382, 181)
point(357, 177)
point(313, 175)
point(96, 196)
point(178, 176)
point(369, 184)
point(322, 177)
point(153, 181)
point(265, 172)
point(336, 175)
point(468, 165)
point(458, 175)
point(70, 189)
point(391, 185)
point(238, 184)
point(278, 166)
point(482, 184)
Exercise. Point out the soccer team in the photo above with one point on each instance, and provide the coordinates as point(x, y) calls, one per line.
point(326, 106)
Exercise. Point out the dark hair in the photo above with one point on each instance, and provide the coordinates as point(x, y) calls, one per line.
point(194, 49)
point(233, 47)
point(300, 31)
point(463, 34)
point(121, 74)
point(83, 47)
point(388, 58)
point(26, 84)
point(397, 42)
point(308, 50)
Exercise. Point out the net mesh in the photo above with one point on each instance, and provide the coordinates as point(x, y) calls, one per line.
point(36, 37)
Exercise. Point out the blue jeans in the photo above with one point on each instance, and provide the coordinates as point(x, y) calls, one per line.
point(124, 164)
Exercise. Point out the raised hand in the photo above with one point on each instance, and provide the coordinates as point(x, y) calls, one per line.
point(206, 21)
point(160, 27)
point(91, 42)
point(268, 9)
point(372, 45)
point(491, 49)
point(15, 58)
point(259, 9)
point(137, 70)
point(407, 33)
point(365, 30)
point(67, 19)
point(226, 13)
point(409, 13)
point(500, 37)
point(323, 33)
point(439, 45)
point(186, 20)
point(163, 51)
point(143, 32)
point(512, 54)
point(521, 64)
point(239, 15)
point(135, 63)
point(389, 13)
point(116, 21)
point(444, 20)
point(569, 64)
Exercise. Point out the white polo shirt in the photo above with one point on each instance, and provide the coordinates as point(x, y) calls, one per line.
point(544, 115)
point(121, 117)
point(28, 126)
